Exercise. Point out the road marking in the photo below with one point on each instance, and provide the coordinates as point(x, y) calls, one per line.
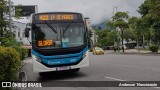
point(115, 79)
point(156, 70)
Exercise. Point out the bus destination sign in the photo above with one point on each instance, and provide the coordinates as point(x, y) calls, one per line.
point(44, 17)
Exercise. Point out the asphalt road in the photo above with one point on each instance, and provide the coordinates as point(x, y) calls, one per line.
point(107, 67)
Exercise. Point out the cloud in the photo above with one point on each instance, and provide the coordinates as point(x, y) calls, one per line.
point(97, 10)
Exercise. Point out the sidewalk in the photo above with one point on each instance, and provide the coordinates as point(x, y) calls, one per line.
point(132, 51)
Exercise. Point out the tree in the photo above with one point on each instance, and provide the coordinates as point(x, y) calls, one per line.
point(3, 22)
point(106, 37)
point(5, 35)
point(110, 25)
point(4, 11)
point(129, 34)
point(141, 31)
point(150, 11)
point(144, 8)
point(120, 21)
point(113, 33)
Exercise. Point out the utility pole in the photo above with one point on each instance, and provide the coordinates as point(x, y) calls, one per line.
point(10, 19)
point(113, 29)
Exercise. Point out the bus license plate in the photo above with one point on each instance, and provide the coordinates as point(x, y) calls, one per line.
point(63, 68)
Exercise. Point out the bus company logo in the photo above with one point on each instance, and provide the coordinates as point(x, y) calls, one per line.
point(6, 84)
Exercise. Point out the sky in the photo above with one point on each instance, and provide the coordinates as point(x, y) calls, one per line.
point(97, 10)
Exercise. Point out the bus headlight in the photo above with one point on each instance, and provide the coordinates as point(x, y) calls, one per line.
point(84, 55)
point(37, 58)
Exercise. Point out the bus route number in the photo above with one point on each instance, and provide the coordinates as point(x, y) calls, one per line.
point(42, 43)
point(43, 17)
point(56, 17)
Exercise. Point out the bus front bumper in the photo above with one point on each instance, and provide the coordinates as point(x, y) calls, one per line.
point(39, 67)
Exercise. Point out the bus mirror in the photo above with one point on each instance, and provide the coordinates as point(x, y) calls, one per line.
point(27, 32)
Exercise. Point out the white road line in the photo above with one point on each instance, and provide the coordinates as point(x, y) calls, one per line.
point(156, 70)
point(115, 79)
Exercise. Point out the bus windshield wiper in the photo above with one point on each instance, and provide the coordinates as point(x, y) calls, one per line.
point(50, 26)
point(68, 26)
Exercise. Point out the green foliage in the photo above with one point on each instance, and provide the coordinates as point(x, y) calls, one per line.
point(133, 22)
point(21, 51)
point(121, 21)
point(120, 16)
point(9, 64)
point(110, 25)
point(4, 24)
point(153, 48)
point(121, 24)
point(18, 12)
point(144, 8)
point(150, 11)
point(106, 38)
point(8, 42)
point(129, 34)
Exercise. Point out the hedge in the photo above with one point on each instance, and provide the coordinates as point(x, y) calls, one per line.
point(9, 64)
point(153, 48)
point(21, 51)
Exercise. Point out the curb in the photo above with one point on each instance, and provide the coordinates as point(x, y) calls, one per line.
point(134, 53)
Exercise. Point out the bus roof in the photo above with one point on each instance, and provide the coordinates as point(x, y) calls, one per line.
point(57, 13)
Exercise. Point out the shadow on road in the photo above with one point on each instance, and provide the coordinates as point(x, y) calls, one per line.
point(50, 76)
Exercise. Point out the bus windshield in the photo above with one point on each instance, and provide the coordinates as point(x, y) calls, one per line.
point(58, 35)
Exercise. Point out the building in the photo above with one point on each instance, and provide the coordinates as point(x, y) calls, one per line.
point(18, 30)
point(94, 37)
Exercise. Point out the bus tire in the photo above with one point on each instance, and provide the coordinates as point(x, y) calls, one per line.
point(76, 70)
point(42, 74)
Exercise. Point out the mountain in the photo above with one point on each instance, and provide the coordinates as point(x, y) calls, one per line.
point(100, 26)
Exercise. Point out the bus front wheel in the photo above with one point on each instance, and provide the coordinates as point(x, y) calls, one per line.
point(75, 70)
point(42, 74)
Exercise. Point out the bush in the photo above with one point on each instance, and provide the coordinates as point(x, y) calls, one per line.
point(7, 42)
point(22, 52)
point(9, 64)
point(153, 48)
point(115, 48)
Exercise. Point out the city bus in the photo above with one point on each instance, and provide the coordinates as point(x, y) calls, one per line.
point(59, 41)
